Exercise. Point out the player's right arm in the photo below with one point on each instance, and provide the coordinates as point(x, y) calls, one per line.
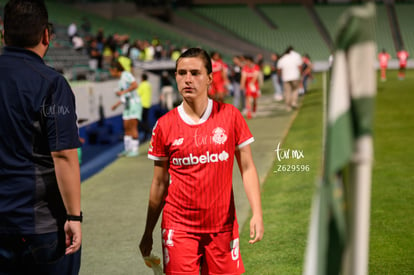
point(158, 192)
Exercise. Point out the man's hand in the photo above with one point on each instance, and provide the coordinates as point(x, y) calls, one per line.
point(73, 234)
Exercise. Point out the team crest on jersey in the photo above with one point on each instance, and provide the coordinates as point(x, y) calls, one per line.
point(219, 135)
point(178, 142)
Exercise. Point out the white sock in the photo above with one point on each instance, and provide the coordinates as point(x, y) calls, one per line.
point(134, 143)
point(127, 143)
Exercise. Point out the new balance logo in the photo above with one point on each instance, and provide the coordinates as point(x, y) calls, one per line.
point(178, 141)
point(207, 158)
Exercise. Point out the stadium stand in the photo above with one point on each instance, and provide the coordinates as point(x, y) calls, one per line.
point(383, 31)
point(296, 28)
point(241, 20)
point(394, 25)
point(329, 15)
point(405, 18)
point(199, 20)
point(228, 28)
point(222, 40)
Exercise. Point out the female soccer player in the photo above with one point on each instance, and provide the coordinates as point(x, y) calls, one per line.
point(218, 87)
point(132, 108)
point(193, 148)
point(250, 84)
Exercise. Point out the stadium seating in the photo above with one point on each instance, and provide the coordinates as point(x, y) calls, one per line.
point(296, 28)
point(240, 20)
point(405, 14)
point(329, 15)
point(383, 31)
point(193, 17)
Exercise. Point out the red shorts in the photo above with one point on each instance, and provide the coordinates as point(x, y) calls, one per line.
point(252, 94)
point(214, 253)
point(252, 91)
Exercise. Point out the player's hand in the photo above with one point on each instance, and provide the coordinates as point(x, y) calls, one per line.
point(119, 93)
point(145, 245)
point(73, 235)
point(256, 229)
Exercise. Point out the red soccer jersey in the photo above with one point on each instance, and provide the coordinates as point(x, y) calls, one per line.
point(218, 67)
point(383, 59)
point(403, 57)
point(200, 195)
point(217, 86)
point(252, 87)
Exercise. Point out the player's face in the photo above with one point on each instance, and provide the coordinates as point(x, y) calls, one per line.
point(192, 78)
point(114, 72)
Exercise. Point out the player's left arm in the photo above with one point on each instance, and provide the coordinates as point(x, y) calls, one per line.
point(133, 86)
point(68, 178)
point(252, 188)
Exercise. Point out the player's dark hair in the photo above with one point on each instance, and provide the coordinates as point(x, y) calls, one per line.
point(25, 22)
point(197, 52)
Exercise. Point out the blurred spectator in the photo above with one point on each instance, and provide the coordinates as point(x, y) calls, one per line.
point(149, 51)
point(110, 47)
point(175, 53)
point(156, 44)
point(95, 56)
point(72, 30)
point(167, 92)
point(78, 43)
point(145, 92)
point(134, 52)
point(235, 77)
point(100, 40)
point(307, 68)
point(125, 46)
point(290, 66)
point(276, 79)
